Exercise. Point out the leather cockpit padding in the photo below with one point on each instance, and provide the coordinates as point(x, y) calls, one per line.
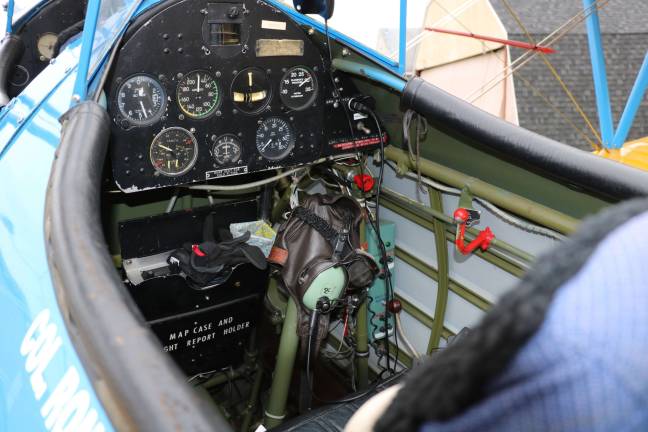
point(565, 164)
point(11, 48)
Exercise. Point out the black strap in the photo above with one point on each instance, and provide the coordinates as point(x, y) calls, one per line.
point(317, 223)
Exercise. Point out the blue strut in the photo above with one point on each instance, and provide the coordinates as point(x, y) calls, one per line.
point(632, 106)
point(599, 73)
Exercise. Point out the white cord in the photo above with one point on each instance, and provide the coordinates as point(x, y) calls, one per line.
point(506, 217)
point(264, 182)
point(410, 348)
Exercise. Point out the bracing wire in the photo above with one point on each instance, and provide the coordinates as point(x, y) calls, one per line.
point(554, 72)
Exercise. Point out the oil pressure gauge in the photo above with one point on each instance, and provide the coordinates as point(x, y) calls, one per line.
point(298, 88)
point(227, 149)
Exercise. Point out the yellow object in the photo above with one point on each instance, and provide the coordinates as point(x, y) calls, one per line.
point(633, 153)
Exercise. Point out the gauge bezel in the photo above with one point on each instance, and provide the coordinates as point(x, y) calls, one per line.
point(311, 100)
point(287, 151)
point(269, 89)
point(215, 107)
point(239, 143)
point(158, 115)
point(193, 160)
point(42, 56)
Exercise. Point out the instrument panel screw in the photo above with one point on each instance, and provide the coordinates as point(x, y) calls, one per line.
point(336, 105)
point(179, 75)
point(181, 117)
point(213, 137)
point(76, 98)
point(166, 50)
point(165, 36)
point(345, 52)
point(192, 130)
point(218, 113)
point(311, 31)
point(234, 111)
point(337, 80)
point(218, 74)
point(180, 50)
point(179, 35)
point(237, 284)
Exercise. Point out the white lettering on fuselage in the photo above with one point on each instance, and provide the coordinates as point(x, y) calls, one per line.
point(68, 407)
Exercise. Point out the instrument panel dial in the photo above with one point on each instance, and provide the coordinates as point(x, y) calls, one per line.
point(198, 94)
point(227, 149)
point(174, 152)
point(45, 46)
point(141, 100)
point(275, 138)
point(298, 88)
point(251, 90)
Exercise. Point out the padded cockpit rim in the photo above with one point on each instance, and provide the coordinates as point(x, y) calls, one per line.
point(599, 176)
point(138, 384)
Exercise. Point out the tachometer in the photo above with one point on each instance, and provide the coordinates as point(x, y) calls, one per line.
point(227, 149)
point(198, 94)
point(275, 138)
point(298, 88)
point(174, 151)
point(141, 100)
point(251, 90)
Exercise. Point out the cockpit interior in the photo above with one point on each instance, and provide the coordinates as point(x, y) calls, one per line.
point(227, 114)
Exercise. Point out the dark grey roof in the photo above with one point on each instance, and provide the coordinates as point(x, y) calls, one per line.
point(624, 55)
point(625, 39)
point(544, 16)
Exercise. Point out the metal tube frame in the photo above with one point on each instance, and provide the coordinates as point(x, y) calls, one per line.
point(521, 206)
point(288, 344)
point(632, 106)
point(599, 74)
point(10, 12)
point(80, 92)
point(443, 275)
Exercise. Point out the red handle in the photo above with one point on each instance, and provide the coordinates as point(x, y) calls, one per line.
point(482, 241)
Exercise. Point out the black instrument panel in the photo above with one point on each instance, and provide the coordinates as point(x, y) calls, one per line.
point(204, 89)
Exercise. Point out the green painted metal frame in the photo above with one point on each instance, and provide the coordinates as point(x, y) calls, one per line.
point(443, 273)
point(288, 344)
point(521, 206)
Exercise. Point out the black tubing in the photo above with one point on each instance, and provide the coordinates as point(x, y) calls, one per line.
point(566, 164)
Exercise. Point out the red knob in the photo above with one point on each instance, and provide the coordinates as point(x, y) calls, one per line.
point(394, 306)
point(364, 182)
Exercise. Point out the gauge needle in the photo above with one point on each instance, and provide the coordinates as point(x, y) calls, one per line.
point(304, 82)
point(266, 145)
point(140, 92)
point(250, 79)
point(143, 109)
point(165, 148)
point(198, 88)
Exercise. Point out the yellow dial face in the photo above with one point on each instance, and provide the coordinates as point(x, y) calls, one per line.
point(45, 45)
